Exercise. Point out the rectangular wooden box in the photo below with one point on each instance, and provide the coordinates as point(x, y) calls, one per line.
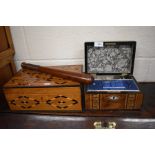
point(102, 101)
point(110, 62)
point(32, 90)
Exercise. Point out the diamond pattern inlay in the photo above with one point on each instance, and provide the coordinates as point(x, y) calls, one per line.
point(24, 102)
point(61, 102)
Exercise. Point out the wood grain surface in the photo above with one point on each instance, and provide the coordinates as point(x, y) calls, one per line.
point(32, 90)
point(128, 119)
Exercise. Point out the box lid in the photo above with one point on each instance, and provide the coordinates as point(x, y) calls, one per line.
point(110, 57)
point(29, 78)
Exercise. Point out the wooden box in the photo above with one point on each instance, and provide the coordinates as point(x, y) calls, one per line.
point(114, 87)
point(32, 90)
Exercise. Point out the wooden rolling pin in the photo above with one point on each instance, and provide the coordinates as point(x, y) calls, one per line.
point(74, 76)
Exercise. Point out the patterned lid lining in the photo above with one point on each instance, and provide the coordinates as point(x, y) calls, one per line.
point(109, 59)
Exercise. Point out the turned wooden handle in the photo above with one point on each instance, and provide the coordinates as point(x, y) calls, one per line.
point(74, 76)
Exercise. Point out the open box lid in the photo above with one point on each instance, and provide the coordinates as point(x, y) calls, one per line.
point(110, 57)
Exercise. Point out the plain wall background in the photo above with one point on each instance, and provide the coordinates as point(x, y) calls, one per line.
point(64, 45)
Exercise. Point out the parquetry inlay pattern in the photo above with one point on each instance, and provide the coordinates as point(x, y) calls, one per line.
point(61, 102)
point(25, 102)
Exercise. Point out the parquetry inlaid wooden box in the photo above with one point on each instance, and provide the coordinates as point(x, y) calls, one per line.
point(32, 90)
point(114, 87)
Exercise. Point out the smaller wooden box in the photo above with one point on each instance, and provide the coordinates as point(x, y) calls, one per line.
point(114, 86)
point(32, 90)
